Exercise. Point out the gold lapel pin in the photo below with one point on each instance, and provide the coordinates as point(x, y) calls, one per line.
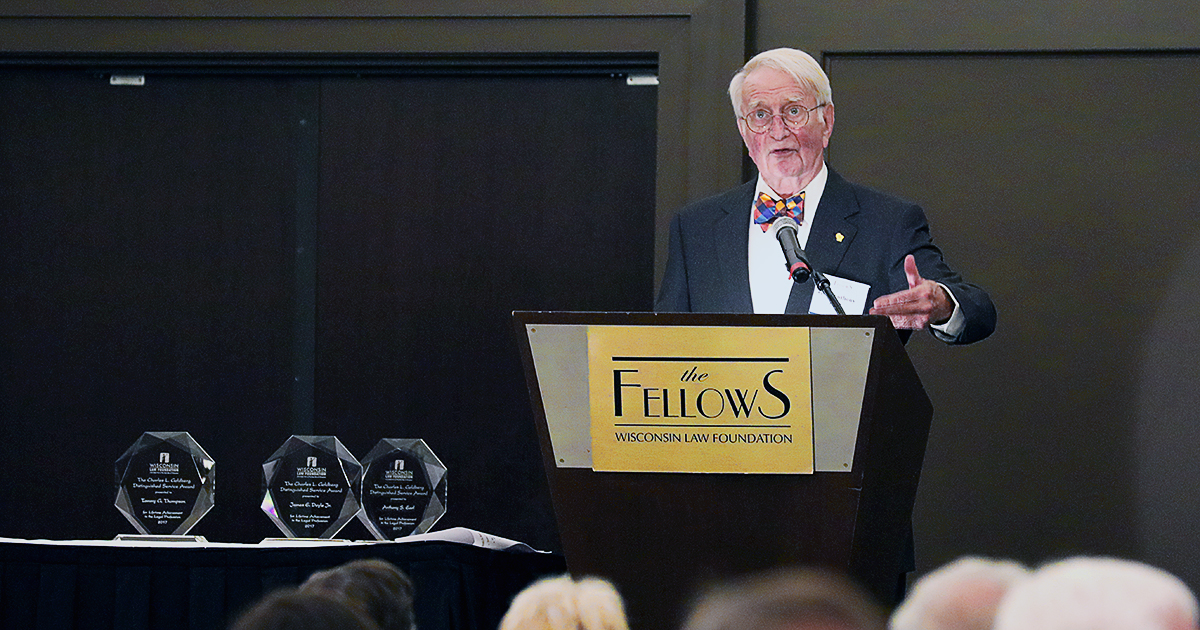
point(839, 237)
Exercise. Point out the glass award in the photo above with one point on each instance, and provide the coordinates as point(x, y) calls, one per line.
point(165, 483)
point(404, 489)
point(311, 486)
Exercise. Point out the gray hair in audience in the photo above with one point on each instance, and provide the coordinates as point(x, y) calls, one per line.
point(1098, 594)
point(563, 603)
point(791, 599)
point(962, 595)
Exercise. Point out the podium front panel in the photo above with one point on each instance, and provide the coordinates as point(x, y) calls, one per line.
point(560, 354)
point(840, 358)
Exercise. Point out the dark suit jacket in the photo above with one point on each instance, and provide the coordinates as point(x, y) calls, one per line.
point(707, 270)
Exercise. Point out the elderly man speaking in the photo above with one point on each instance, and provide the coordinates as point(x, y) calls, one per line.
point(875, 249)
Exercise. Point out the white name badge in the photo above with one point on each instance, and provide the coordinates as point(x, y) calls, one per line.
point(852, 296)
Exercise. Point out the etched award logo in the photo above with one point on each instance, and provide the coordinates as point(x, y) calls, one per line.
point(397, 472)
point(164, 465)
point(311, 470)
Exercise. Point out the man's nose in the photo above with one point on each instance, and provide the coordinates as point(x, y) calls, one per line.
point(778, 129)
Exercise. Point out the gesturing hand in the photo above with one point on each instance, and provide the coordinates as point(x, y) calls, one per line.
point(924, 302)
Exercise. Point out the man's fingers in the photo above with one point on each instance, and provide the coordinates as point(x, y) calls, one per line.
point(914, 307)
point(902, 315)
point(894, 303)
point(901, 322)
point(913, 300)
point(910, 270)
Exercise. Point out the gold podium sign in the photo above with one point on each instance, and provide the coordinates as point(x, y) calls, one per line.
point(700, 399)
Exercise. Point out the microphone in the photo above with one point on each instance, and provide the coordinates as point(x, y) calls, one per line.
point(785, 229)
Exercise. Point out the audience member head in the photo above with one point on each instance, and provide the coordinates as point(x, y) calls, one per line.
point(562, 603)
point(291, 609)
point(1098, 594)
point(790, 599)
point(962, 595)
point(376, 587)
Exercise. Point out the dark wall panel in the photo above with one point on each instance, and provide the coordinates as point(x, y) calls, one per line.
point(447, 203)
point(155, 247)
point(145, 284)
point(1066, 185)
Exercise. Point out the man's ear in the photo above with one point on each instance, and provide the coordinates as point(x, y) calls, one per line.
point(828, 125)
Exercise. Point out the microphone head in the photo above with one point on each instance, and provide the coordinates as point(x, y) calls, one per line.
point(785, 230)
point(783, 223)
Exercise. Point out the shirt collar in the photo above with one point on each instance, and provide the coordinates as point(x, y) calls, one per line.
point(812, 193)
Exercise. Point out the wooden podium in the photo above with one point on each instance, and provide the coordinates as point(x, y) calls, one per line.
point(661, 537)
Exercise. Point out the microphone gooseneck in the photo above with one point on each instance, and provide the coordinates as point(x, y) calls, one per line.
point(785, 230)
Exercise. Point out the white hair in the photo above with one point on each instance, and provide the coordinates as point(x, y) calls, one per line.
point(799, 64)
point(1098, 594)
point(962, 595)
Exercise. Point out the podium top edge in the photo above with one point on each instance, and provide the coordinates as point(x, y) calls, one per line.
point(643, 318)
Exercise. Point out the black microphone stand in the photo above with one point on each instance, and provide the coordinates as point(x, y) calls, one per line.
point(785, 230)
point(823, 284)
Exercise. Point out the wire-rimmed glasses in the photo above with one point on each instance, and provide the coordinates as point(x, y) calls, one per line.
point(794, 116)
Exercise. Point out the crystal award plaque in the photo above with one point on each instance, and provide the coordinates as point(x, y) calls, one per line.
point(165, 483)
point(404, 489)
point(311, 486)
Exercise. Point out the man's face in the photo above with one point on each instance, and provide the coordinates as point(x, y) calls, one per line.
point(787, 158)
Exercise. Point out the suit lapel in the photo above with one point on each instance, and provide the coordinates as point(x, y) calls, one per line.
point(731, 232)
point(832, 232)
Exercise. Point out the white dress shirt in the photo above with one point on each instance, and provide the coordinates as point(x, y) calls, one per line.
point(770, 282)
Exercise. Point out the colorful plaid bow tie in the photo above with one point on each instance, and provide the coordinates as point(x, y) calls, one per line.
point(767, 208)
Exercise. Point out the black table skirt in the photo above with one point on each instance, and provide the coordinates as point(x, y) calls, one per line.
point(43, 587)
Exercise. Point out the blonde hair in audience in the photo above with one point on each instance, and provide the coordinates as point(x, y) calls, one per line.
point(562, 603)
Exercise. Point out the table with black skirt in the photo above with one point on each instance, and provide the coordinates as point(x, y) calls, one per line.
point(464, 580)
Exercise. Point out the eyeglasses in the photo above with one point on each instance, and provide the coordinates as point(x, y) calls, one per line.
point(794, 116)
